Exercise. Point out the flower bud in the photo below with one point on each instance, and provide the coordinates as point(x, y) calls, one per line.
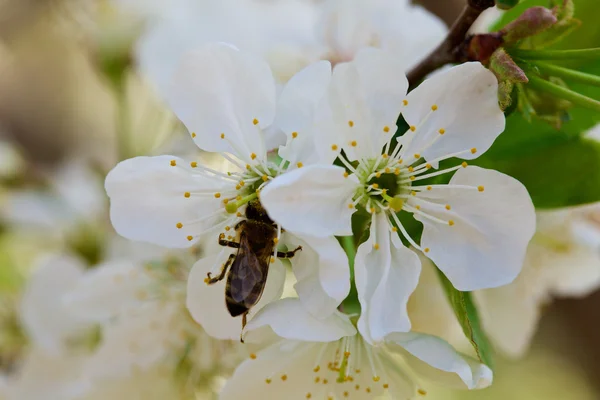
point(533, 21)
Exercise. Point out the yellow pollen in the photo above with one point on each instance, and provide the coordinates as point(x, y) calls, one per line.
point(450, 222)
point(375, 186)
point(384, 156)
point(265, 178)
point(253, 356)
point(294, 135)
point(378, 175)
point(217, 195)
point(397, 171)
point(237, 187)
point(405, 102)
point(253, 156)
point(376, 379)
point(353, 143)
point(429, 188)
point(357, 387)
point(187, 194)
point(275, 240)
point(428, 166)
point(434, 107)
point(400, 161)
point(330, 398)
point(227, 228)
point(421, 392)
point(272, 260)
point(394, 229)
point(413, 128)
point(426, 250)
point(417, 156)
point(351, 206)
point(299, 164)
point(346, 174)
point(317, 379)
point(206, 280)
point(267, 380)
point(480, 188)
point(317, 368)
point(308, 395)
point(238, 197)
point(376, 246)
point(473, 150)
point(418, 207)
point(173, 163)
point(193, 164)
point(372, 210)
point(412, 178)
point(222, 136)
point(387, 170)
point(346, 394)
point(413, 193)
point(464, 164)
point(368, 390)
point(255, 121)
point(325, 381)
point(410, 169)
point(242, 183)
point(386, 129)
point(350, 123)
point(283, 377)
point(193, 134)
point(385, 386)
point(442, 131)
point(190, 238)
point(334, 147)
point(179, 225)
point(248, 166)
point(225, 201)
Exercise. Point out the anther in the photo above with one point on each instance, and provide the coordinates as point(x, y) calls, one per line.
point(357, 387)
point(350, 123)
point(179, 225)
point(334, 147)
point(276, 240)
point(375, 186)
point(413, 128)
point(317, 379)
point(384, 156)
point(429, 188)
point(387, 170)
point(464, 164)
point(253, 156)
point(238, 197)
point(372, 210)
point(217, 195)
point(397, 171)
point(473, 150)
point(248, 166)
point(394, 229)
point(222, 136)
point(193, 134)
point(376, 378)
point(173, 163)
point(426, 249)
point(386, 129)
point(225, 201)
point(317, 368)
point(294, 135)
point(450, 222)
point(410, 169)
point(346, 394)
point(418, 207)
point(442, 131)
point(227, 228)
point(308, 395)
point(190, 238)
point(434, 107)
point(480, 188)
point(255, 121)
point(448, 207)
point(428, 166)
point(346, 174)
point(299, 164)
point(351, 206)
point(376, 246)
point(193, 164)
point(417, 156)
point(385, 386)
point(284, 377)
point(242, 183)
point(405, 102)
point(377, 175)
point(253, 356)
point(267, 380)
point(412, 178)
point(413, 193)
point(265, 178)
point(325, 381)
point(272, 260)
point(368, 390)
point(353, 143)
point(187, 194)
point(421, 392)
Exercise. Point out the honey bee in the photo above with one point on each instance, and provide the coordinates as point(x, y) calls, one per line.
point(249, 266)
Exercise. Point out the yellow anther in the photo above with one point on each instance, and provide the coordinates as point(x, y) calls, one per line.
point(173, 163)
point(228, 228)
point(353, 143)
point(193, 134)
point(442, 131)
point(448, 207)
point(429, 188)
point(248, 166)
point(272, 260)
point(238, 214)
point(317, 379)
point(450, 222)
point(375, 186)
point(238, 197)
point(417, 156)
point(275, 240)
point(480, 188)
point(418, 207)
point(434, 107)
point(413, 128)
point(350, 123)
point(405, 102)
point(317, 368)
point(410, 169)
point(225, 201)
point(421, 392)
point(265, 178)
point(426, 249)
point(299, 165)
point(386, 129)
point(253, 156)
point(334, 147)
point(325, 381)
point(308, 395)
point(372, 210)
point(255, 121)
point(242, 183)
point(385, 386)
point(384, 156)
point(397, 171)
point(346, 174)
point(179, 225)
point(193, 164)
point(376, 379)
point(190, 238)
point(394, 229)
point(222, 136)
point(357, 387)
point(253, 356)
point(376, 246)
point(294, 135)
point(346, 394)
point(387, 170)
point(351, 206)
point(217, 195)
point(187, 194)
point(464, 164)
point(267, 380)
point(412, 178)
point(473, 150)
point(206, 280)
point(378, 175)
point(413, 193)
point(368, 390)
point(396, 203)
point(284, 377)
point(400, 161)
point(428, 166)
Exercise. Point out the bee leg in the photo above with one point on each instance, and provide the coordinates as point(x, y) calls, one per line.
point(288, 254)
point(228, 243)
point(243, 326)
point(210, 280)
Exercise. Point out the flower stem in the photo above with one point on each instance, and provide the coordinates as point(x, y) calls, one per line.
point(569, 74)
point(563, 93)
point(579, 54)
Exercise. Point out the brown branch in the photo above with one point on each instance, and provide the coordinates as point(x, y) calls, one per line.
point(448, 51)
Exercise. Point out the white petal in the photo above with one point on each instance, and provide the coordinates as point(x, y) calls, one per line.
point(147, 200)
point(436, 359)
point(206, 303)
point(322, 273)
point(467, 110)
point(290, 320)
point(48, 322)
point(385, 275)
point(218, 89)
point(107, 290)
point(311, 200)
point(486, 245)
point(296, 109)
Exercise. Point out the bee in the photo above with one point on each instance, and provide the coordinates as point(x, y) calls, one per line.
point(249, 266)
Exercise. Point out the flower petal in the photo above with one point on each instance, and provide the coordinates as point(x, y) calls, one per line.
point(290, 320)
point(322, 273)
point(385, 274)
point(492, 223)
point(436, 359)
point(296, 109)
point(311, 201)
point(466, 110)
point(221, 90)
point(149, 199)
point(206, 303)
point(48, 322)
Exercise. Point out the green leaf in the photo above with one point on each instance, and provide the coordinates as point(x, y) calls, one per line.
point(566, 173)
point(468, 317)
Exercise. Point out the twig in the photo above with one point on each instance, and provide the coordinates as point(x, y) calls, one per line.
point(448, 51)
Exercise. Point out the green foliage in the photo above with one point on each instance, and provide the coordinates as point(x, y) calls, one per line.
point(468, 317)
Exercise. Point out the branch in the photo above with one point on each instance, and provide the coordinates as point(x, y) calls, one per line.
point(447, 52)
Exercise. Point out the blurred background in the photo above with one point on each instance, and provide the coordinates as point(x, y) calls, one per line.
point(73, 77)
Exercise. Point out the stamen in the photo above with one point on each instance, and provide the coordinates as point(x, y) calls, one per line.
point(432, 174)
point(404, 232)
point(347, 164)
point(430, 217)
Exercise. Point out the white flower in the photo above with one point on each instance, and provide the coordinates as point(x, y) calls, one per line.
point(227, 100)
point(476, 228)
point(328, 359)
point(563, 260)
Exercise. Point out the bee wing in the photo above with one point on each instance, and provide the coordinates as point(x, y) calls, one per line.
point(248, 275)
